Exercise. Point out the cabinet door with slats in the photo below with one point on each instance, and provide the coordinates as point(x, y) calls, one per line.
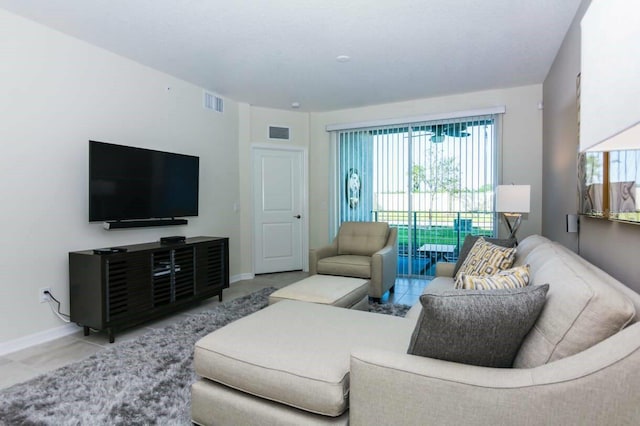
point(184, 270)
point(211, 266)
point(127, 284)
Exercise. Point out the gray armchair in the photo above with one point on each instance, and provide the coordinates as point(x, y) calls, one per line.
point(362, 250)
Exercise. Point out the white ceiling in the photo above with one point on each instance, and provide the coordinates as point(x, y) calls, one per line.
point(274, 52)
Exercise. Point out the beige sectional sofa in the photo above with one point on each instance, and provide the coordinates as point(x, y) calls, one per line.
point(299, 363)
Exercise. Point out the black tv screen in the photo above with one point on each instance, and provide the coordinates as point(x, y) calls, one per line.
point(127, 183)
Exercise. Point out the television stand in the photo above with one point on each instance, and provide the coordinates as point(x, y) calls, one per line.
point(114, 290)
point(121, 224)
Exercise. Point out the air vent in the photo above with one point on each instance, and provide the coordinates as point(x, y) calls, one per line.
point(278, 133)
point(213, 102)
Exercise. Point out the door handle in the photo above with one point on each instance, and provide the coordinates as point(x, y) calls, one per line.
point(297, 216)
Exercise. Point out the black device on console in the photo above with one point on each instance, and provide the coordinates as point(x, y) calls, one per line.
point(173, 240)
point(110, 250)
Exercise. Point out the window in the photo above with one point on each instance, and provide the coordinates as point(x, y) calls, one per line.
point(432, 180)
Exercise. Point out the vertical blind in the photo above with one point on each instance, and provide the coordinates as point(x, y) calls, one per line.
point(433, 180)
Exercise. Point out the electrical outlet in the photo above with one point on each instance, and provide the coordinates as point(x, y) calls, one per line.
point(42, 296)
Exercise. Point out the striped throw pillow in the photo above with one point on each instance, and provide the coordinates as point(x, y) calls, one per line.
point(485, 259)
point(517, 277)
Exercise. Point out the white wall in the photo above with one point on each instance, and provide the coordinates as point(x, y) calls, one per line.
point(56, 93)
point(521, 145)
point(254, 128)
point(609, 245)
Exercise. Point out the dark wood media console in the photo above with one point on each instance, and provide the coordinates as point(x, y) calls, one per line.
point(113, 291)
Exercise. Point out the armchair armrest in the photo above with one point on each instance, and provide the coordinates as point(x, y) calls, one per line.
point(597, 386)
point(320, 253)
point(384, 264)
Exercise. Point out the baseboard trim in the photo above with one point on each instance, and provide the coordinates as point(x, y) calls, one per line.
point(37, 338)
point(67, 329)
point(240, 277)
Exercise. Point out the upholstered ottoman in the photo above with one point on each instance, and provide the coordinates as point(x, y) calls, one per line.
point(343, 292)
point(287, 364)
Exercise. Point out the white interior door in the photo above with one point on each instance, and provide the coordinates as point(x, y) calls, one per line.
point(278, 182)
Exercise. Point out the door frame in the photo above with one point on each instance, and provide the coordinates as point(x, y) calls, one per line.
point(304, 195)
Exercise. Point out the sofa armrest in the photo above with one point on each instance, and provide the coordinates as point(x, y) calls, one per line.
point(320, 253)
point(445, 269)
point(597, 386)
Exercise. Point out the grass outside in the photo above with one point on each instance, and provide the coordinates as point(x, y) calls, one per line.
point(437, 235)
point(438, 227)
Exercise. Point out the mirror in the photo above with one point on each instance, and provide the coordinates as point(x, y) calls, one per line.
point(608, 185)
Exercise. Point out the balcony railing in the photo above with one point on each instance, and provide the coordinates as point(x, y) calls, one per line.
point(425, 238)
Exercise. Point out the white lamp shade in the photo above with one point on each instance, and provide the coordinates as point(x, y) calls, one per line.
point(610, 76)
point(513, 198)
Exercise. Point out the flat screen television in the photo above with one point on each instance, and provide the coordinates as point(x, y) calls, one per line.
point(128, 183)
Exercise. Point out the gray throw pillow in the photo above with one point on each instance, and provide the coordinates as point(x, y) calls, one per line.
point(470, 240)
point(477, 327)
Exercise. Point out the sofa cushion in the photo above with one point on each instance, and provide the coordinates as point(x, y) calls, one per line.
point(362, 238)
point(476, 327)
point(216, 404)
point(486, 259)
point(470, 240)
point(527, 245)
point(346, 266)
point(509, 278)
point(436, 285)
point(583, 307)
point(296, 353)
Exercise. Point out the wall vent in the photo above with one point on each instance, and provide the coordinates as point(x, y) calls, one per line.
point(278, 133)
point(213, 102)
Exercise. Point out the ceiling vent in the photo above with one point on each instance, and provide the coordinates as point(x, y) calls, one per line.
point(213, 102)
point(281, 133)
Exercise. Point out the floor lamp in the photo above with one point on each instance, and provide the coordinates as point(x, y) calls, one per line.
point(512, 201)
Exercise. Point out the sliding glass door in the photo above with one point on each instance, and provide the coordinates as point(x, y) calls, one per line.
point(433, 181)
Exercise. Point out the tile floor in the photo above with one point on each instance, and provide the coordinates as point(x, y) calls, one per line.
point(23, 365)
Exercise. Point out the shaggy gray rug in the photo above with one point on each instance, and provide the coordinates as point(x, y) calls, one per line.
point(143, 381)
